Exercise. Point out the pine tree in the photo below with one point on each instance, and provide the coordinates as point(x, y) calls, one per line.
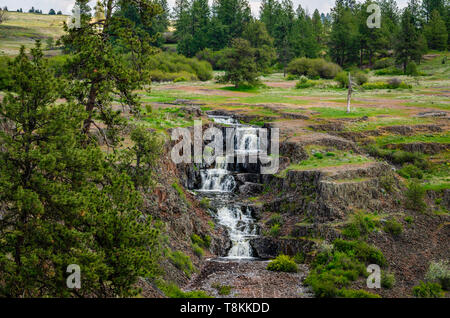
point(63, 202)
point(344, 36)
point(52, 12)
point(256, 33)
point(428, 6)
point(98, 70)
point(436, 32)
point(410, 42)
point(239, 64)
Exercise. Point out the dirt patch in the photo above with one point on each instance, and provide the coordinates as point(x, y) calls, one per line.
point(206, 91)
point(249, 279)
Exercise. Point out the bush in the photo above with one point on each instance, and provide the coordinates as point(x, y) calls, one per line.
point(313, 68)
point(182, 262)
point(342, 79)
point(205, 203)
point(212, 57)
point(173, 291)
point(439, 272)
point(282, 263)
point(204, 242)
point(275, 219)
point(411, 69)
point(387, 280)
point(197, 250)
point(410, 171)
point(415, 196)
point(360, 77)
point(387, 182)
point(428, 290)
point(383, 63)
point(389, 71)
point(223, 290)
point(393, 227)
point(299, 258)
point(360, 225)
point(168, 66)
point(275, 230)
point(353, 293)
point(361, 250)
point(392, 84)
point(304, 83)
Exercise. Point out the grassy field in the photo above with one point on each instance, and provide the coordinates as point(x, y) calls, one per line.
point(25, 28)
point(280, 102)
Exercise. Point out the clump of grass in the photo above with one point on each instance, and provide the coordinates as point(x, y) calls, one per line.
point(415, 197)
point(410, 171)
point(393, 227)
point(299, 258)
point(180, 191)
point(387, 280)
point(222, 290)
point(182, 262)
point(204, 241)
point(283, 263)
point(205, 203)
point(171, 290)
point(275, 230)
point(428, 290)
point(387, 182)
point(197, 250)
point(360, 225)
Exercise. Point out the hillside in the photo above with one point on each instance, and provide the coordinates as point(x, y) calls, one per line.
point(25, 28)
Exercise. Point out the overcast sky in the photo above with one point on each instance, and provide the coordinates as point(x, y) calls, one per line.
point(66, 5)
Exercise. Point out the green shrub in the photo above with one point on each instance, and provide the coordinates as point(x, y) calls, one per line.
point(222, 290)
point(318, 155)
point(383, 63)
point(360, 225)
point(387, 280)
point(275, 230)
point(203, 242)
point(275, 219)
point(342, 79)
point(182, 262)
point(353, 293)
point(360, 78)
point(282, 263)
point(197, 250)
point(313, 68)
point(205, 203)
point(411, 69)
point(410, 171)
point(393, 227)
point(169, 66)
point(428, 290)
point(299, 258)
point(304, 83)
point(439, 272)
point(173, 291)
point(387, 182)
point(409, 219)
point(415, 196)
point(180, 191)
point(361, 250)
point(389, 71)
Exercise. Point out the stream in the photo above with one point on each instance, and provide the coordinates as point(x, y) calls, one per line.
point(219, 184)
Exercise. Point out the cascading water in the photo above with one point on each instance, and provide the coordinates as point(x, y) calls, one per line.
point(219, 183)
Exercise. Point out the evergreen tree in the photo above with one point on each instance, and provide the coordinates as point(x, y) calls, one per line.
point(436, 32)
point(410, 43)
point(98, 69)
point(63, 202)
point(269, 11)
point(239, 64)
point(256, 33)
point(52, 12)
point(318, 27)
point(428, 6)
point(344, 36)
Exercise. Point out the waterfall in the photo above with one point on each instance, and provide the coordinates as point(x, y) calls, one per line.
point(241, 227)
point(220, 183)
point(218, 179)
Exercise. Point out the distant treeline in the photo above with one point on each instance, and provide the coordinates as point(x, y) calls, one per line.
point(37, 11)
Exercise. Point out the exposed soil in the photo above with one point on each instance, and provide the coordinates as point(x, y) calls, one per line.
point(250, 279)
